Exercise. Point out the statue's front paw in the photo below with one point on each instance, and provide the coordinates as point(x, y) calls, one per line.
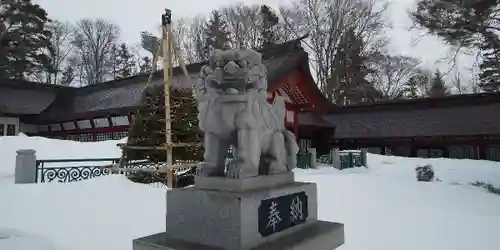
point(204, 169)
point(238, 170)
point(234, 170)
point(277, 168)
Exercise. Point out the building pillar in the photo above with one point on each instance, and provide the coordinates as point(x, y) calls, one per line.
point(383, 150)
point(482, 148)
point(312, 151)
point(446, 152)
point(335, 157)
point(26, 170)
point(413, 149)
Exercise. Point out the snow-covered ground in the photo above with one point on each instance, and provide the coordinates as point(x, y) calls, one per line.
point(383, 207)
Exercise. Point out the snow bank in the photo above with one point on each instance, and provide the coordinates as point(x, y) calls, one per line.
point(383, 207)
point(447, 170)
point(100, 213)
point(19, 240)
point(380, 213)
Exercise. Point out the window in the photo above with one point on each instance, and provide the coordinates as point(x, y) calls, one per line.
point(104, 136)
point(11, 129)
point(86, 137)
point(2, 129)
point(73, 137)
point(120, 135)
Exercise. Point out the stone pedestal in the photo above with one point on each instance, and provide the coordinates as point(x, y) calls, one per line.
point(313, 153)
point(226, 214)
point(25, 171)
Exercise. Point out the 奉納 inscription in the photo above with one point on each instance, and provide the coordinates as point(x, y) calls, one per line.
point(280, 213)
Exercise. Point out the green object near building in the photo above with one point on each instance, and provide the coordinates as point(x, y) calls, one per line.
point(304, 160)
point(350, 159)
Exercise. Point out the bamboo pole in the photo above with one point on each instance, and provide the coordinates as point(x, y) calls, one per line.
point(167, 65)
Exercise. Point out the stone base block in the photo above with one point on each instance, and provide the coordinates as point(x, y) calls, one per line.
point(321, 235)
point(240, 220)
point(247, 184)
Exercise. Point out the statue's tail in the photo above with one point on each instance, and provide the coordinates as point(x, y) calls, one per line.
point(291, 149)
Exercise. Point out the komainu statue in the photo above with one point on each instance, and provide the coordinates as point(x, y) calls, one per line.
point(233, 111)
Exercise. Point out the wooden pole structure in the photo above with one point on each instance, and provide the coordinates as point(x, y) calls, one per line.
point(167, 65)
point(167, 46)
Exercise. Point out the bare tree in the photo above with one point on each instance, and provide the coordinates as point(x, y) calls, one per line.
point(196, 38)
point(327, 21)
point(391, 73)
point(93, 41)
point(61, 40)
point(458, 85)
point(244, 24)
point(135, 50)
point(185, 31)
point(61, 47)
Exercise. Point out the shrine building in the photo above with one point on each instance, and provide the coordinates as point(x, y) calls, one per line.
point(104, 111)
point(466, 126)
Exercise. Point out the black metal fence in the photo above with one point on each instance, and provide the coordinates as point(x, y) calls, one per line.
point(71, 170)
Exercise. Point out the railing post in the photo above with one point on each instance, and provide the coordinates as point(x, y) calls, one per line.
point(364, 161)
point(26, 170)
point(351, 160)
point(335, 155)
point(312, 153)
point(170, 178)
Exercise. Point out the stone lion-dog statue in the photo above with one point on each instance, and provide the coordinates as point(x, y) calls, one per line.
point(233, 111)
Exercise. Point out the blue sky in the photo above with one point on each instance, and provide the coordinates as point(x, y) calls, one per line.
point(134, 16)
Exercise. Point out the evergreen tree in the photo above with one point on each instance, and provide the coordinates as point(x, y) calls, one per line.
point(149, 125)
point(268, 29)
point(128, 63)
point(411, 88)
point(348, 81)
point(437, 86)
point(216, 33)
point(123, 62)
point(490, 68)
point(115, 61)
point(145, 65)
point(68, 75)
point(24, 39)
point(466, 24)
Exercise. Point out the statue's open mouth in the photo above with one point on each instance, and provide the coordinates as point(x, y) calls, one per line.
point(232, 84)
